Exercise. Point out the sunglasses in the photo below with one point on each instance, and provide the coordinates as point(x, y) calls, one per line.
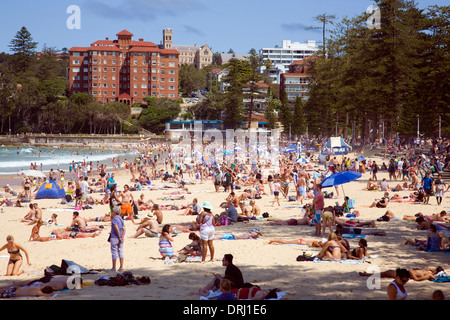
point(404, 280)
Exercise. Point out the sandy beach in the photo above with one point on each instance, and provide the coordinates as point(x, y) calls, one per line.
point(267, 265)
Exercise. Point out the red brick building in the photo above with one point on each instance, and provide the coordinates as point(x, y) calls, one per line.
point(124, 70)
point(297, 80)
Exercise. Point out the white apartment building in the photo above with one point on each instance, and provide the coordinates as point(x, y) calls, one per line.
point(282, 57)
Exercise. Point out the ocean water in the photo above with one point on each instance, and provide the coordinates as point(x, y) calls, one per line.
point(15, 159)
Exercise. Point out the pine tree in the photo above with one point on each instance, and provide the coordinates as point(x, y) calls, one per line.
point(24, 49)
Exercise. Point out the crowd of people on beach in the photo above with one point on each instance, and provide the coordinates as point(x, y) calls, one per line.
point(409, 169)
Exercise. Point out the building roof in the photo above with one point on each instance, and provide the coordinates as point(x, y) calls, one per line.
point(78, 49)
point(124, 33)
point(187, 48)
point(226, 57)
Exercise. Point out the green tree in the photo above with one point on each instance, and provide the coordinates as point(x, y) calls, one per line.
point(298, 120)
point(157, 113)
point(24, 50)
point(191, 79)
point(239, 73)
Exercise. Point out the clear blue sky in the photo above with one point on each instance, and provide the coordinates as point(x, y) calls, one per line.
point(240, 25)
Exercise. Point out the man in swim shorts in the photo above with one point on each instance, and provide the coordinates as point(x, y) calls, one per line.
point(127, 197)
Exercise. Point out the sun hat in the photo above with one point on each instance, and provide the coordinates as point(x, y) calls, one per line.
point(207, 205)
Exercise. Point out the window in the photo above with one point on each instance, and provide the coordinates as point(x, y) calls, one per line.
point(76, 61)
point(171, 64)
point(171, 95)
point(114, 61)
point(94, 77)
point(172, 72)
point(171, 87)
point(75, 69)
point(113, 77)
point(135, 62)
point(143, 86)
point(76, 78)
point(76, 85)
point(171, 79)
point(105, 61)
point(135, 70)
point(76, 54)
point(113, 85)
point(105, 85)
point(135, 86)
point(94, 61)
point(105, 69)
point(135, 93)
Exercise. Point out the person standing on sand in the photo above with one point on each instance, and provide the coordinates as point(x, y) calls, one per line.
point(126, 207)
point(117, 238)
point(318, 203)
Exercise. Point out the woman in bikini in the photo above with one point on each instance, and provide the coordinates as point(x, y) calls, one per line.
point(332, 250)
point(15, 258)
point(360, 252)
point(35, 233)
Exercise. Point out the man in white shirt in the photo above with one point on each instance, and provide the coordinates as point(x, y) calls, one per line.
point(84, 186)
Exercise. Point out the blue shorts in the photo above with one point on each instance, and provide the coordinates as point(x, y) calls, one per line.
point(317, 216)
point(302, 191)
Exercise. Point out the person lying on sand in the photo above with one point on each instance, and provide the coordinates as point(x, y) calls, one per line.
point(415, 274)
point(305, 221)
point(252, 234)
point(300, 241)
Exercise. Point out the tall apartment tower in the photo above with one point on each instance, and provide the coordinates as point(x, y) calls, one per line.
point(124, 70)
point(167, 38)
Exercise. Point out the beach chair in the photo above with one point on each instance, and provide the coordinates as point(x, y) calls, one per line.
point(349, 205)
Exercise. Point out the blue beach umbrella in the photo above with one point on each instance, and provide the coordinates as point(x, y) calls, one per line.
point(340, 178)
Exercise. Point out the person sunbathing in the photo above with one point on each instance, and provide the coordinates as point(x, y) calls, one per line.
point(148, 227)
point(74, 234)
point(433, 242)
point(35, 233)
point(305, 221)
point(252, 234)
point(332, 250)
point(299, 241)
point(381, 203)
point(360, 252)
point(415, 274)
point(371, 185)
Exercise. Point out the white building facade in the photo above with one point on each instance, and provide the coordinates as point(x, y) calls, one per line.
point(282, 57)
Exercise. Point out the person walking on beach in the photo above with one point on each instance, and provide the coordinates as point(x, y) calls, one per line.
point(318, 203)
point(276, 192)
point(207, 228)
point(374, 168)
point(117, 238)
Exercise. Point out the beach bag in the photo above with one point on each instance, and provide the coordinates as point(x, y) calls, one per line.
point(292, 198)
point(224, 221)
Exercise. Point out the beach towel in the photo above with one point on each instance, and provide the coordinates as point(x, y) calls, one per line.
point(353, 236)
point(442, 279)
point(347, 261)
point(214, 294)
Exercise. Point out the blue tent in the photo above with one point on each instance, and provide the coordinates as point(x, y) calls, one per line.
point(50, 190)
point(337, 146)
